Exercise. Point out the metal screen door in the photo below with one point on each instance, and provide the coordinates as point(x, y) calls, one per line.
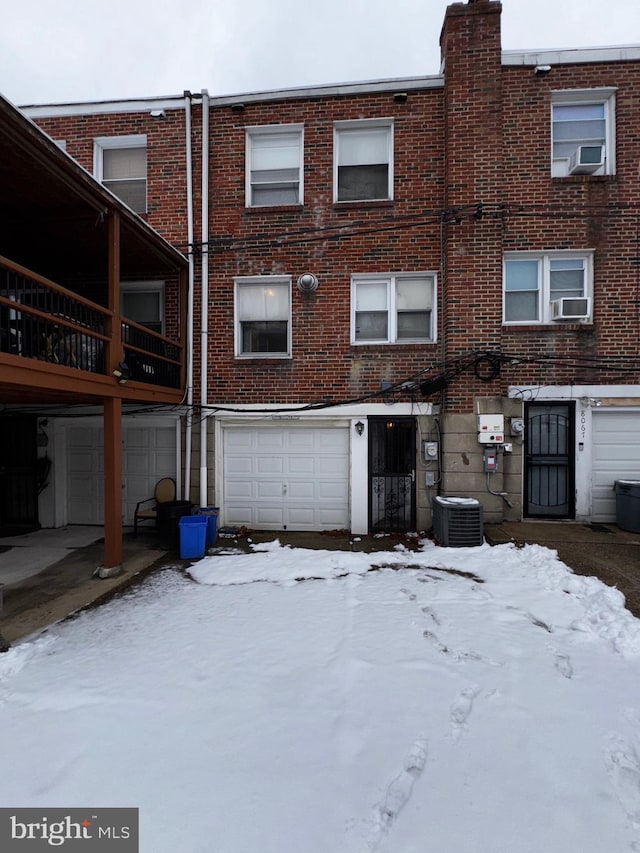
point(392, 469)
point(549, 471)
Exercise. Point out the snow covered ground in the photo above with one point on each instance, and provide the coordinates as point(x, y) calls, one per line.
point(472, 700)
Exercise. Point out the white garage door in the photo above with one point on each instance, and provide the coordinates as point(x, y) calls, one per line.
point(286, 478)
point(148, 453)
point(616, 456)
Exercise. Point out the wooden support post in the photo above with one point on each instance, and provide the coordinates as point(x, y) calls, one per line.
point(113, 419)
point(112, 487)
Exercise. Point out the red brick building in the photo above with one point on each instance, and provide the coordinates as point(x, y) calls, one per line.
point(376, 266)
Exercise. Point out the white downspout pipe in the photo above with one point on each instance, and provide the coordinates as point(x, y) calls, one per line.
point(204, 325)
point(189, 395)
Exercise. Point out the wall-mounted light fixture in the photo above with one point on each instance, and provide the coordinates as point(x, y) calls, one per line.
point(540, 70)
point(121, 373)
point(237, 107)
point(359, 427)
point(158, 114)
point(307, 282)
point(400, 97)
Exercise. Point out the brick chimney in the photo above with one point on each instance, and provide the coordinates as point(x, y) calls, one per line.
point(473, 133)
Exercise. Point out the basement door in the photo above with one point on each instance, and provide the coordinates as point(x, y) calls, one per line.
point(392, 474)
point(286, 478)
point(549, 461)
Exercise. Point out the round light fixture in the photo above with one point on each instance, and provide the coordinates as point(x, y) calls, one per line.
point(307, 282)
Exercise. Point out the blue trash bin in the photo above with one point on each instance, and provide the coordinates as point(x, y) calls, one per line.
point(193, 534)
point(211, 514)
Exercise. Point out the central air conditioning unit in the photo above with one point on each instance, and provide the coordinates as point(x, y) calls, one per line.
point(571, 308)
point(457, 522)
point(586, 159)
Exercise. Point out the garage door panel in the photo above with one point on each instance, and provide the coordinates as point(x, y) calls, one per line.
point(311, 465)
point(615, 456)
point(148, 454)
point(269, 517)
point(268, 489)
point(304, 491)
point(239, 465)
point(301, 517)
point(302, 466)
point(241, 490)
point(268, 440)
point(269, 465)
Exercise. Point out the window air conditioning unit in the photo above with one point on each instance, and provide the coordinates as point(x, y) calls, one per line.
point(457, 522)
point(586, 159)
point(571, 308)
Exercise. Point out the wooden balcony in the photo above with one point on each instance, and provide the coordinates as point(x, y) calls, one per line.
point(48, 334)
point(66, 246)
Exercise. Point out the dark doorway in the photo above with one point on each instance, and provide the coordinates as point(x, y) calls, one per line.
point(392, 474)
point(18, 475)
point(549, 461)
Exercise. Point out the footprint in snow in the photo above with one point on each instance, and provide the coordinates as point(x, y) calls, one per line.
point(462, 707)
point(623, 764)
point(563, 664)
point(399, 789)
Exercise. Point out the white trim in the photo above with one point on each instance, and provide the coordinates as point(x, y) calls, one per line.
point(587, 398)
point(391, 280)
point(543, 258)
point(360, 124)
point(176, 102)
point(605, 95)
point(572, 55)
point(131, 140)
point(237, 337)
point(254, 131)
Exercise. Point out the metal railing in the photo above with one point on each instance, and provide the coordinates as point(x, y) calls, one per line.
point(42, 320)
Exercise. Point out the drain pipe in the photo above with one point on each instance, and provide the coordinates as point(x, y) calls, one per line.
point(189, 397)
point(204, 323)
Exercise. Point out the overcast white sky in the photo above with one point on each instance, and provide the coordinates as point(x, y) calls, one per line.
point(69, 50)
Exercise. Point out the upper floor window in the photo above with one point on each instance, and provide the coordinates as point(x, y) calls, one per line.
point(549, 287)
point(143, 302)
point(120, 163)
point(274, 165)
point(363, 160)
point(387, 309)
point(263, 316)
point(583, 132)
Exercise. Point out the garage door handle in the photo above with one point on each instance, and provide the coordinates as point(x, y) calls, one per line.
point(284, 489)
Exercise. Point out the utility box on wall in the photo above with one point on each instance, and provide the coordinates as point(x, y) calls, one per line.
point(491, 429)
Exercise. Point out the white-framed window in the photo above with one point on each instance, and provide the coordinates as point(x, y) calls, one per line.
point(143, 302)
point(120, 163)
point(274, 158)
point(583, 132)
point(391, 309)
point(263, 316)
point(363, 160)
point(547, 287)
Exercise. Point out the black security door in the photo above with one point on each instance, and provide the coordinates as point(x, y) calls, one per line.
point(549, 465)
point(18, 475)
point(392, 470)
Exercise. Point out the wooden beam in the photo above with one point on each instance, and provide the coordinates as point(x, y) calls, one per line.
point(112, 487)
point(113, 416)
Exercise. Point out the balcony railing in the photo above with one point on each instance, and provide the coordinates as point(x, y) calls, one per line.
point(41, 320)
